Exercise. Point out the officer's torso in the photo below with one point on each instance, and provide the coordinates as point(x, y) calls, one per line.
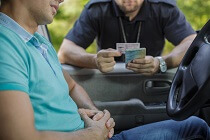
point(110, 32)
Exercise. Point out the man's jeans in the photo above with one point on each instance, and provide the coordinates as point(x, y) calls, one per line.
point(191, 128)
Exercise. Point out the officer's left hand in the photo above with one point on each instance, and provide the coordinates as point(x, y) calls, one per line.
point(146, 66)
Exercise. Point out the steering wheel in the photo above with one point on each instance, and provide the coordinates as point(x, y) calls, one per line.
point(190, 88)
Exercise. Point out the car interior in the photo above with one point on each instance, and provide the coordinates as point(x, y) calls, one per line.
point(134, 99)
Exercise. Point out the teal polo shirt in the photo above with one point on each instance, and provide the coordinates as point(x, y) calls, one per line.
point(29, 63)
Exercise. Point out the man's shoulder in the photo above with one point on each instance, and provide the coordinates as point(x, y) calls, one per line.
point(169, 2)
point(93, 2)
point(9, 39)
point(7, 34)
point(5, 31)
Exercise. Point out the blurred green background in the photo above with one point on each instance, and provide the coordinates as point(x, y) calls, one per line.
point(197, 13)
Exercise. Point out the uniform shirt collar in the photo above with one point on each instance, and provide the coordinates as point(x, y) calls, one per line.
point(7, 22)
point(141, 16)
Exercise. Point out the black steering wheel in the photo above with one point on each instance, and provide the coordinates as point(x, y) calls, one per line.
point(190, 88)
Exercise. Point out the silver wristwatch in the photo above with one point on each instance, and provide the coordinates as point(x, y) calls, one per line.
point(163, 66)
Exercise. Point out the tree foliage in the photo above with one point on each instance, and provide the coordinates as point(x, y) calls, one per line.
point(197, 13)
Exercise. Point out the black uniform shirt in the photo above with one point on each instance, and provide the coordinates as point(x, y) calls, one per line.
point(160, 19)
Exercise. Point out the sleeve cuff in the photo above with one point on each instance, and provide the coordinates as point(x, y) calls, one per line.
point(12, 86)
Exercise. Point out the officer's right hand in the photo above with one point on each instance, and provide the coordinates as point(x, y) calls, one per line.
point(105, 59)
point(98, 127)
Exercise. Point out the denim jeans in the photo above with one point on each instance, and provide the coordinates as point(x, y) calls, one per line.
point(191, 128)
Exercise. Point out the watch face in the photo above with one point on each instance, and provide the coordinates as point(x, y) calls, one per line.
point(163, 68)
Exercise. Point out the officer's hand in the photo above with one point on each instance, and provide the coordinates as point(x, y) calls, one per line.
point(105, 59)
point(98, 127)
point(146, 66)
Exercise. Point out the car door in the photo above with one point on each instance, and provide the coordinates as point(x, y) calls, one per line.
point(132, 99)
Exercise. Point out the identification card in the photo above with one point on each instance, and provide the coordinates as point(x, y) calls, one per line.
point(121, 47)
point(131, 54)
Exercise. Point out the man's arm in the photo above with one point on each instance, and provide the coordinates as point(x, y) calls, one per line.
point(150, 65)
point(78, 94)
point(17, 122)
point(70, 53)
point(81, 98)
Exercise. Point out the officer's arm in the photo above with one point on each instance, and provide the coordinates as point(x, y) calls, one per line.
point(17, 121)
point(174, 58)
point(70, 53)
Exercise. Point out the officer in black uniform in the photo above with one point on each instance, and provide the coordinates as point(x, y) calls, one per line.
point(147, 22)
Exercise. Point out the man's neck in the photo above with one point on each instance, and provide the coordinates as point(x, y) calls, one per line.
point(132, 15)
point(21, 17)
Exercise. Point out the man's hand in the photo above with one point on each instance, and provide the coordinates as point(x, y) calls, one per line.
point(98, 126)
point(105, 59)
point(146, 66)
point(98, 115)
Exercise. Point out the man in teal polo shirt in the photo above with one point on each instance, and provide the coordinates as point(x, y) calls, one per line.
point(33, 85)
point(39, 101)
